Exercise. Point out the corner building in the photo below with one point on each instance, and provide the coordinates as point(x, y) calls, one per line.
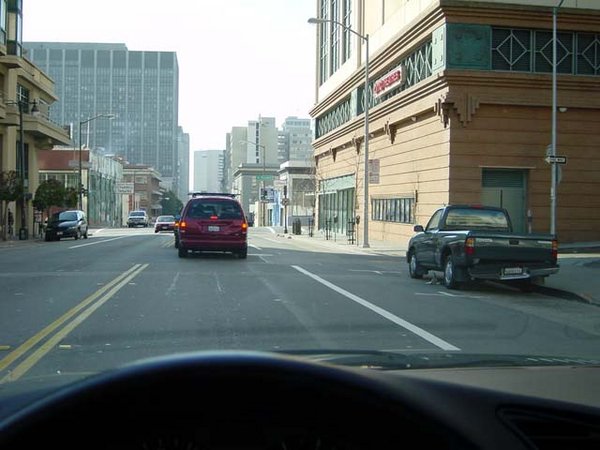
point(460, 106)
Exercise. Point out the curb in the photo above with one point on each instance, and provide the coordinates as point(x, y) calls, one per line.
point(565, 295)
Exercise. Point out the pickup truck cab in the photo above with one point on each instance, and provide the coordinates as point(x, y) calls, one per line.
point(477, 242)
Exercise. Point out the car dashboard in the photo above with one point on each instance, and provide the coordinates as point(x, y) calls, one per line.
point(248, 400)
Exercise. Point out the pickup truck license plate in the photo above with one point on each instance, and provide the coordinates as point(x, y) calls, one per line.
point(512, 271)
point(59, 233)
point(213, 228)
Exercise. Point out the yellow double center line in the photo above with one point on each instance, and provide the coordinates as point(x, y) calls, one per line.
point(89, 305)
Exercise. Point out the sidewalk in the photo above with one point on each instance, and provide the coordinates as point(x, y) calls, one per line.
point(578, 278)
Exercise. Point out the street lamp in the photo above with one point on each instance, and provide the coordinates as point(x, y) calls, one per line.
point(553, 164)
point(81, 123)
point(262, 209)
point(314, 20)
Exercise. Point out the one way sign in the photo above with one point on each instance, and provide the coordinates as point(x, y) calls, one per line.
point(556, 159)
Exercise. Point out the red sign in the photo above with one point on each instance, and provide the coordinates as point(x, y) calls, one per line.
point(389, 81)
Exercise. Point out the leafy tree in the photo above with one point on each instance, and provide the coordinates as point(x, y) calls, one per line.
point(171, 203)
point(11, 189)
point(71, 197)
point(49, 193)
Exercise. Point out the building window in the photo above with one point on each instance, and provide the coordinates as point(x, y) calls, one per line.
point(141, 180)
point(346, 35)
point(400, 210)
point(335, 37)
point(323, 43)
point(3, 21)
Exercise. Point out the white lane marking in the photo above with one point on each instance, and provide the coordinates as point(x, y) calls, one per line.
point(255, 246)
point(382, 312)
point(272, 240)
point(263, 259)
point(100, 242)
point(272, 230)
point(98, 231)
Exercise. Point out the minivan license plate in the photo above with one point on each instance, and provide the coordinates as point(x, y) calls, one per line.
point(213, 228)
point(513, 270)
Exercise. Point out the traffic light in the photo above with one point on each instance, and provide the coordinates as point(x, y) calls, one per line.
point(263, 194)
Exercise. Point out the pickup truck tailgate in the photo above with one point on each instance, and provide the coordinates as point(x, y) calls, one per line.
point(517, 248)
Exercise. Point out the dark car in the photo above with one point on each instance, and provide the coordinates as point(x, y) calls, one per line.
point(67, 224)
point(164, 223)
point(213, 222)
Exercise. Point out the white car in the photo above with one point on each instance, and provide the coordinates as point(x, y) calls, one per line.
point(138, 218)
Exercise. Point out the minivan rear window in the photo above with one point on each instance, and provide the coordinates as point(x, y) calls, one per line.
point(222, 209)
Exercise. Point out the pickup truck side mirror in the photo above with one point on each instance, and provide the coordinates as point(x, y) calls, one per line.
point(418, 228)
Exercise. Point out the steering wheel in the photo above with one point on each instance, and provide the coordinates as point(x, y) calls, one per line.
point(226, 400)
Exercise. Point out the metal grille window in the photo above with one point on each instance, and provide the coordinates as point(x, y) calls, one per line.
point(588, 54)
point(524, 50)
point(393, 209)
point(334, 118)
point(543, 52)
point(417, 67)
point(511, 49)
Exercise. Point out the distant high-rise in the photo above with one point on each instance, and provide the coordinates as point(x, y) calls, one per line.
point(295, 140)
point(208, 170)
point(141, 88)
point(183, 181)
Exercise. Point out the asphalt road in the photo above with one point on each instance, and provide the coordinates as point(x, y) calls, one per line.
point(77, 307)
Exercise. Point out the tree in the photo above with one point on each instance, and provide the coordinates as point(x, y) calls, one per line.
point(171, 204)
point(71, 197)
point(11, 189)
point(49, 193)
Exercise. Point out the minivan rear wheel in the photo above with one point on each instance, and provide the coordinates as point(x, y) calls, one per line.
point(182, 252)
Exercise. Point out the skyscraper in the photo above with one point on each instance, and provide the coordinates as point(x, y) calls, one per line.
point(208, 170)
point(139, 87)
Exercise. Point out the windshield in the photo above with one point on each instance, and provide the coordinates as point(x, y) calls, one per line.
point(308, 202)
point(476, 219)
point(65, 216)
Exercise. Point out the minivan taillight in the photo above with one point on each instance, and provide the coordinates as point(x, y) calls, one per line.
point(182, 224)
point(244, 226)
point(554, 250)
point(470, 246)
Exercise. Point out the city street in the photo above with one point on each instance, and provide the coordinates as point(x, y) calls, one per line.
point(80, 306)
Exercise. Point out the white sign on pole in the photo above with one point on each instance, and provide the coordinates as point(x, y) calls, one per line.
point(124, 188)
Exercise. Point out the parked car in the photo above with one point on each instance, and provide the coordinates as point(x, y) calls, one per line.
point(477, 242)
point(72, 223)
point(213, 222)
point(138, 218)
point(164, 223)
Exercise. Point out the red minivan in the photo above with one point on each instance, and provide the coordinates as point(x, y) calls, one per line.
point(213, 223)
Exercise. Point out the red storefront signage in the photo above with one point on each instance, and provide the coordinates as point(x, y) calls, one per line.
point(389, 81)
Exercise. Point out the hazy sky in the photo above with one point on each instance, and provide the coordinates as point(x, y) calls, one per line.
point(237, 58)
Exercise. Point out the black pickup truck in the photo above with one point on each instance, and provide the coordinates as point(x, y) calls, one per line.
point(473, 242)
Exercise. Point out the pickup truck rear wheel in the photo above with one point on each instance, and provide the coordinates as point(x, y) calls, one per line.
point(415, 270)
point(450, 273)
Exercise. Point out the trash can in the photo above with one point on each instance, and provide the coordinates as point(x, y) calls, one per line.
point(23, 234)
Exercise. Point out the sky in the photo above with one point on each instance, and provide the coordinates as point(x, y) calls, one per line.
point(238, 59)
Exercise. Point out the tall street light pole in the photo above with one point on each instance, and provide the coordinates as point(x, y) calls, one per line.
point(262, 188)
point(81, 124)
point(553, 164)
point(365, 38)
